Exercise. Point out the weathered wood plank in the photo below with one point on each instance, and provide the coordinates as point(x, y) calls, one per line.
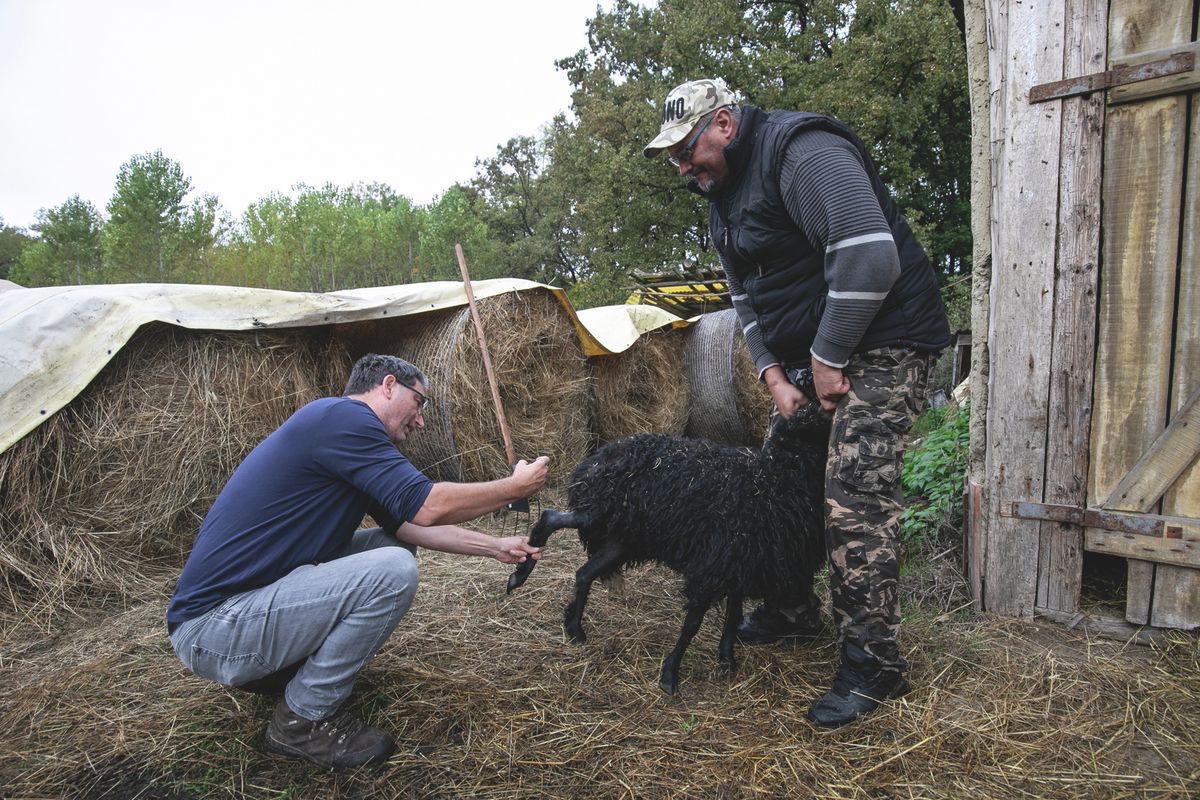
point(1073, 346)
point(1142, 26)
point(1116, 629)
point(1142, 186)
point(1144, 144)
point(1026, 168)
point(1156, 87)
point(1177, 590)
point(1183, 552)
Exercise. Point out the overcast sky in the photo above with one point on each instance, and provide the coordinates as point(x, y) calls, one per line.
point(255, 96)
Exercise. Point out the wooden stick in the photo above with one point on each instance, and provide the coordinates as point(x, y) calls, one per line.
point(487, 359)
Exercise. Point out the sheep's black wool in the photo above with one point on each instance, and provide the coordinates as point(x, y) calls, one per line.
point(733, 522)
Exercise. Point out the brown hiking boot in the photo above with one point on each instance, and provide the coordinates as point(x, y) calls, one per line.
point(339, 741)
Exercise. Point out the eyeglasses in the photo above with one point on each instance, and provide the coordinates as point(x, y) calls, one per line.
point(422, 399)
point(686, 153)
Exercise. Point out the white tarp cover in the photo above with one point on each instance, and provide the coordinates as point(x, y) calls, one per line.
point(54, 340)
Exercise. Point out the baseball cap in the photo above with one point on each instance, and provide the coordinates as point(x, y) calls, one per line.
point(684, 107)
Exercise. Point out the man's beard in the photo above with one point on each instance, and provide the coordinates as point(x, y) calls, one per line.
point(710, 185)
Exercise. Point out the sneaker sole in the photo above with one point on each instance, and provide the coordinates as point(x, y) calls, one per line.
point(361, 760)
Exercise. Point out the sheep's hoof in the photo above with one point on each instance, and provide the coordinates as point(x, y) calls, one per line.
point(519, 575)
point(577, 635)
point(729, 665)
point(669, 684)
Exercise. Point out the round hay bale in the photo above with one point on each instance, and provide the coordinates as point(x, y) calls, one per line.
point(120, 478)
point(728, 402)
point(643, 389)
point(543, 380)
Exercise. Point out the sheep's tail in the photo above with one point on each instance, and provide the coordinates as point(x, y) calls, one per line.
point(548, 523)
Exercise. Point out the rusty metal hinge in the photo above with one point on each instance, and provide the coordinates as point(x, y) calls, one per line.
point(1121, 522)
point(1117, 76)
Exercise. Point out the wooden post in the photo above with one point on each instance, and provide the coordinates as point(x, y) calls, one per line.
point(1025, 160)
point(978, 82)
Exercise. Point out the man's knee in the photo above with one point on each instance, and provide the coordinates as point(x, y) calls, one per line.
point(395, 567)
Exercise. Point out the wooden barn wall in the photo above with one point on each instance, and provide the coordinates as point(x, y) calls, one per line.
point(1146, 361)
point(1094, 303)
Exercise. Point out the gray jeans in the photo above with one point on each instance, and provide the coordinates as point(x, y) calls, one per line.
point(336, 614)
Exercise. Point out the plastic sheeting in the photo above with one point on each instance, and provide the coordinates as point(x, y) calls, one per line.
point(54, 340)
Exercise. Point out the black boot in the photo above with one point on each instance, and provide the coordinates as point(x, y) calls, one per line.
point(857, 689)
point(340, 740)
point(765, 625)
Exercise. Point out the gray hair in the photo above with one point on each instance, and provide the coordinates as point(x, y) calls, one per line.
point(370, 370)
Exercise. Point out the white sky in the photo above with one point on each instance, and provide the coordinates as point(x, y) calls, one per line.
point(255, 96)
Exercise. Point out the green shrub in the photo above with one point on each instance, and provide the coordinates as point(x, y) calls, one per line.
point(934, 467)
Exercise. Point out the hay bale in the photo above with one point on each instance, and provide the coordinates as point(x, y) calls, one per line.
point(110, 491)
point(643, 389)
point(728, 402)
point(542, 375)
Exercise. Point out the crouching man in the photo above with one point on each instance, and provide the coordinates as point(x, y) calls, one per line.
point(283, 591)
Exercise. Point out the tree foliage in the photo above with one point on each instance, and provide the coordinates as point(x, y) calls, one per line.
point(12, 242)
point(574, 204)
point(69, 250)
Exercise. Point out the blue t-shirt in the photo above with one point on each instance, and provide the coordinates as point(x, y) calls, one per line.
point(297, 499)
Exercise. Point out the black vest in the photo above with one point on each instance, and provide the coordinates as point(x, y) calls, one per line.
point(781, 272)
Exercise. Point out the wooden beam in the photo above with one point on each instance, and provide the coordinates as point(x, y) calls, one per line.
point(1104, 627)
point(1181, 552)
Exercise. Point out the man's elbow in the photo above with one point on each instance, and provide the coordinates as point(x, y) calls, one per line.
point(437, 508)
point(429, 514)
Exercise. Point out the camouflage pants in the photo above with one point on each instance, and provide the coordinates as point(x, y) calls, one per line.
point(864, 499)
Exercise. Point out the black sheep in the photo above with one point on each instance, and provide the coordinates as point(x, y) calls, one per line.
point(734, 522)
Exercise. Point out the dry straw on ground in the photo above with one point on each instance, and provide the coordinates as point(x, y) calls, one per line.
point(544, 387)
point(488, 700)
point(110, 490)
point(643, 389)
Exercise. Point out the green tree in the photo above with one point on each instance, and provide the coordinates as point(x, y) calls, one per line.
point(528, 214)
point(12, 242)
point(69, 249)
point(146, 216)
point(892, 69)
point(450, 220)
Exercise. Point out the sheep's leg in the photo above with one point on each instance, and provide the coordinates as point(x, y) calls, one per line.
point(669, 682)
point(598, 565)
point(733, 617)
point(548, 523)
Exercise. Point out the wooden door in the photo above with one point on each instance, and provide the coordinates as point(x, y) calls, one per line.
point(1145, 431)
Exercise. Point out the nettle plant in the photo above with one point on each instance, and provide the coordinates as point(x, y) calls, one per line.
point(934, 467)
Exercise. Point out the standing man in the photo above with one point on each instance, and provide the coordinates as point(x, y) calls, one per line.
point(824, 271)
point(281, 589)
